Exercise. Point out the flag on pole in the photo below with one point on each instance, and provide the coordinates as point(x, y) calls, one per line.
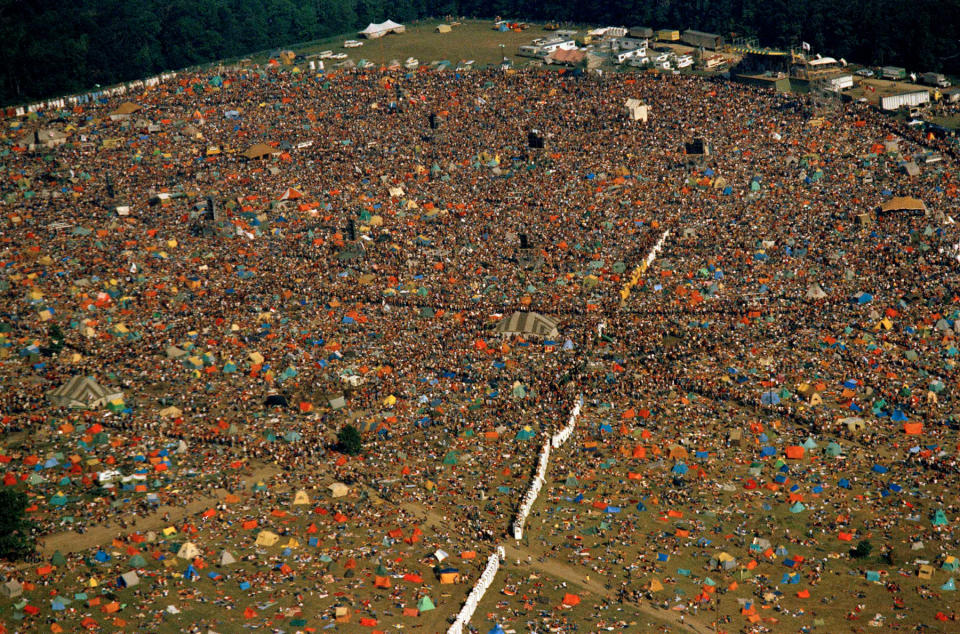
point(806, 46)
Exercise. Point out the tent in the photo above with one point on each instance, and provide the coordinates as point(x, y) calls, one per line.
point(443, 28)
point(171, 412)
point(188, 551)
point(904, 203)
point(338, 489)
point(226, 558)
point(815, 291)
point(301, 497)
point(137, 561)
point(83, 392)
point(521, 323)
point(128, 579)
point(267, 538)
point(259, 151)
point(636, 111)
point(11, 589)
point(373, 31)
point(770, 397)
point(425, 604)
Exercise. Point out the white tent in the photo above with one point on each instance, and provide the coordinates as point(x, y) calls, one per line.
point(11, 589)
point(129, 579)
point(83, 391)
point(226, 558)
point(188, 551)
point(815, 291)
point(338, 489)
point(373, 31)
point(636, 110)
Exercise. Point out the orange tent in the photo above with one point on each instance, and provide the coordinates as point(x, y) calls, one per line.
point(570, 600)
point(794, 452)
point(913, 429)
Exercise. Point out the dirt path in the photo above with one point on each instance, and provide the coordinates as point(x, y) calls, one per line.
point(578, 577)
point(70, 541)
point(570, 574)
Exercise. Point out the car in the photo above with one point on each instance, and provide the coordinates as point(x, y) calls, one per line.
point(865, 72)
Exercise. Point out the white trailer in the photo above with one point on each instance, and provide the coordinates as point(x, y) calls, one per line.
point(905, 100)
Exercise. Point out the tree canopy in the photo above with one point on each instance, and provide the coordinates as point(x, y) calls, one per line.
point(45, 51)
point(16, 532)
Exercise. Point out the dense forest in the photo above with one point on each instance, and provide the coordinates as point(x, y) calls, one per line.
point(51, 47)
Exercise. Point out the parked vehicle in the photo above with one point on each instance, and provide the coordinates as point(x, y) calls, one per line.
point(865, 72)
point(935, 79)
point(893, 72)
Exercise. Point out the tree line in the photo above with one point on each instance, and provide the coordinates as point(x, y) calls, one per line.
point(48, 50)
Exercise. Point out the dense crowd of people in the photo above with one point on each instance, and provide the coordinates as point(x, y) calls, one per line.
point(371, 251)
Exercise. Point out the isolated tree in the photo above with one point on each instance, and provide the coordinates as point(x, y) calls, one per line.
point(863, 550)
point(56, 338)
point(348, 440)
point(16, 532)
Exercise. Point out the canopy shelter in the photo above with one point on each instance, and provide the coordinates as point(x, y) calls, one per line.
point(259, 151)
point(83, 392)
point(521, 323)
point(904, 203)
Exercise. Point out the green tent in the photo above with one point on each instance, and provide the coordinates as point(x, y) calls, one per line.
point(450, 458)
point(425, 604)
point(526, 433)
point(834, 450)
point(58, 559)
point(939, 518)
point(137, 561)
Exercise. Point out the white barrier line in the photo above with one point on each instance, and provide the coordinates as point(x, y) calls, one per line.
point(473, 599)
point(555, 441)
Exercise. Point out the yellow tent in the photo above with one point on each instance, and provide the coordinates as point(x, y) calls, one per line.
point(267, 538)
point(301, 498)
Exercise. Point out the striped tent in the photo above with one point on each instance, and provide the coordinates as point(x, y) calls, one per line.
point(521, 323)
point(84, 392)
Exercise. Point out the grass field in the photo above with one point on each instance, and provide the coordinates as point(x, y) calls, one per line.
point(472, 40)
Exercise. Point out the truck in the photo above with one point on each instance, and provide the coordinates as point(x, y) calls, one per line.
point(935, 79)
point(893, 72)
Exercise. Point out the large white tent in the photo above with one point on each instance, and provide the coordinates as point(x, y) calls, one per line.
point(373, 31)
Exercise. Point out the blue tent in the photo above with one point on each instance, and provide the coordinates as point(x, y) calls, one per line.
point(680, 468)
point(770, 397)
